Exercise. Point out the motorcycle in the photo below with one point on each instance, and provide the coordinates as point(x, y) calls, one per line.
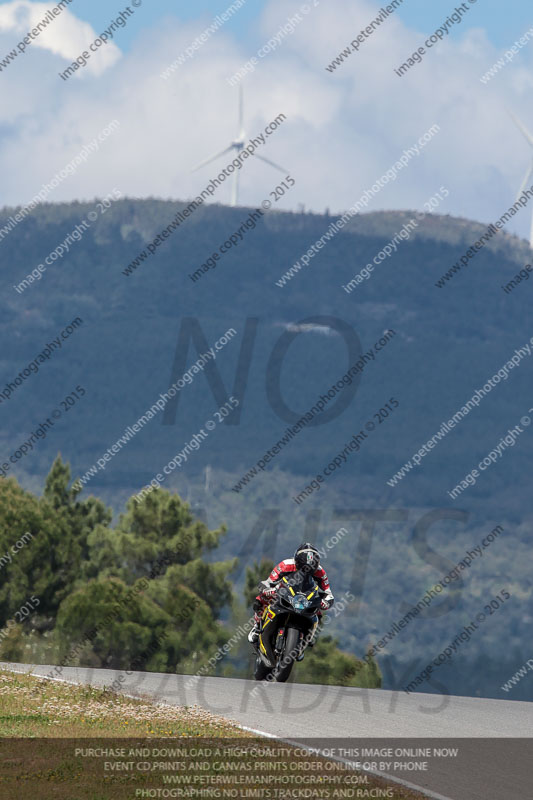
point(288, 625)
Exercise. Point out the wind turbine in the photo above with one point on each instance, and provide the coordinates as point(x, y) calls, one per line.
point(529, 173)
point(237, 146)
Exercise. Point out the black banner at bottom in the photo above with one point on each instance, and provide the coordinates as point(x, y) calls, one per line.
point(268, 769)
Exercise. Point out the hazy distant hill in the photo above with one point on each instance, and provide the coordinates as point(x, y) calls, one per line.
point(447, 343)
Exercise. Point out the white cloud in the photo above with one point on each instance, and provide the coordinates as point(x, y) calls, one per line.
point(344, 129)
point(66, 36)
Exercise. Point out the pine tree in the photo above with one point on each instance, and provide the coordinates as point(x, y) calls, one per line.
point(254, 575)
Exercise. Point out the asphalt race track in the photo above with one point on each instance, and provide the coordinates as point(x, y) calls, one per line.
point(494, 737)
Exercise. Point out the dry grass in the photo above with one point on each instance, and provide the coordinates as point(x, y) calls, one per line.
point(48, 727)
point(35, 707)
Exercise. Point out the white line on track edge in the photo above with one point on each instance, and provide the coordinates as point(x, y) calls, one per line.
point(345, 761)
point(266, 735)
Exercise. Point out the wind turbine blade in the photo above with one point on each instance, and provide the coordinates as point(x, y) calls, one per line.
point(525, 181)
point(241, 112)
point(522, 128)
point(212, 158)
point(276, 166)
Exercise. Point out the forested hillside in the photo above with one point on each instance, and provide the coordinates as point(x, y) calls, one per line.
point(137, 595)
point(140, 332)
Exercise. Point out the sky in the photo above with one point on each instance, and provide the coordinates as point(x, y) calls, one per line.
point(501, 26)
point(343, 129)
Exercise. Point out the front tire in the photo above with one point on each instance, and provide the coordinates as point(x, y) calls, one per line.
point(292, 642)
point(261, 672)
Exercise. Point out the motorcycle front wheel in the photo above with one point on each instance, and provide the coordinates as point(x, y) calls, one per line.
point(292, 642)
point(261, 672)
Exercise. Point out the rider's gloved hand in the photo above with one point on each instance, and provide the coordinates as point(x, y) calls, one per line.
point(269, 593)
point(324, 604)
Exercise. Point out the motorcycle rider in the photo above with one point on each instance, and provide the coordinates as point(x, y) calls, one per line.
point(307, 560)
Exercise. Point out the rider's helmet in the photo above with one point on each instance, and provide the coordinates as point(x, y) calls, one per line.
point(307, 557)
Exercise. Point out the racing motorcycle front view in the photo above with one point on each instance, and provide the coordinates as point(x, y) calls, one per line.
point(288, 627)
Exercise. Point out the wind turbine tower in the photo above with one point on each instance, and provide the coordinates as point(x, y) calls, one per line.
point(529, 138)
point(236, 147)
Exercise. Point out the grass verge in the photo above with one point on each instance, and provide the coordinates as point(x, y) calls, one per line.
point(64, 742)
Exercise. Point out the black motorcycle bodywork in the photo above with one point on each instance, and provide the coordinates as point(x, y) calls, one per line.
point(287, 626)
